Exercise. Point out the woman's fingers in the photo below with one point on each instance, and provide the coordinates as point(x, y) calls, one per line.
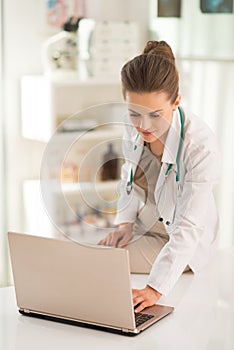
point(124, 240)
point(142, 306)
point(112, 239)
point(118, 238)
point(137, 300)
point(145, 297)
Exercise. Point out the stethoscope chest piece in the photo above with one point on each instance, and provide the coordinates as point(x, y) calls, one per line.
point(129, 187)
point(129, 183)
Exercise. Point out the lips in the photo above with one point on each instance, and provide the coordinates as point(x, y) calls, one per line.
point(146, 133)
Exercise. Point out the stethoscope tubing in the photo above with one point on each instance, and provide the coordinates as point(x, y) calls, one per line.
point(130, 180)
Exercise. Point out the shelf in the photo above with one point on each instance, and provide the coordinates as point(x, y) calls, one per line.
point(101, 186)
point(32, 186)
point(74, 80)
point(46, 100)
point(106, 134)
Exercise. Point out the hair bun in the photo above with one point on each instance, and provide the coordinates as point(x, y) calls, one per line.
point(159, 48)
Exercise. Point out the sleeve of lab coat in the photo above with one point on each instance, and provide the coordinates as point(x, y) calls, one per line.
point(128, 204)
point(190, 217)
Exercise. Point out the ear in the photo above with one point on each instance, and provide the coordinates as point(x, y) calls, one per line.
point(177, 102)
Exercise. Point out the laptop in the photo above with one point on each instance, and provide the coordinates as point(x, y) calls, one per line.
point(68, 282)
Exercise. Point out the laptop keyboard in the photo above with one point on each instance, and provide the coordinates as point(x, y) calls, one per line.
point(142, 318)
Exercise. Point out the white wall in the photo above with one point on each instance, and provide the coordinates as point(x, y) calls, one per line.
point(205, 34)
point(3, 271)
point(195, 33)
point(23, 37)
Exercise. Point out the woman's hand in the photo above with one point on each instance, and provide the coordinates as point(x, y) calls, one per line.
point(143, 298)
point(118, 238)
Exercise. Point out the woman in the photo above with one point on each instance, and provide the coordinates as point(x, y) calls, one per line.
point(166, 216)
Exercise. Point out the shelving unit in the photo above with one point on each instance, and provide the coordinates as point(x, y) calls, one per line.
point(48, 103)
point(38, 219)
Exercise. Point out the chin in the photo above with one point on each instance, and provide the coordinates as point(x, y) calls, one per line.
point(149, 139)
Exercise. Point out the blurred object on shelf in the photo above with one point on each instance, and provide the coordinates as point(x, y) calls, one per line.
point(110, 213)
point(59, 11)
point(59, 53)
point(104, 46)
point(84, 35)
point(109, 168)
point(76, 124)
point(69, 172)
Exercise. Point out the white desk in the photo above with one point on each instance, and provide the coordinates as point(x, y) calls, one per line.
point(203, 319)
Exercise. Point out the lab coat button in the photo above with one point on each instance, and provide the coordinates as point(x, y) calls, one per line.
point(160, 219)
point(167, 222)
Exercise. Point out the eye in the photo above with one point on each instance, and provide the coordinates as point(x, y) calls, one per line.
point(134, 114)
point(154, 115)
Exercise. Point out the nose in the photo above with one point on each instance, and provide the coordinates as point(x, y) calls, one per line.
point(145, 123)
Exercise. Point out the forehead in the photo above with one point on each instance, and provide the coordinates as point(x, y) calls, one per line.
point(147, 101)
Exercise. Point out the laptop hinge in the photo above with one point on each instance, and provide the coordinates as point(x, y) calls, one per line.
point(26, 311)
point(126, 330)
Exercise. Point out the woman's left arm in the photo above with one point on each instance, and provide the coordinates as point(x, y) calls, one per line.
point(187, 229)
point(194, 207)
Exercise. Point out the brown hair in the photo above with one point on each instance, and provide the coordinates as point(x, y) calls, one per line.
point(153, 70)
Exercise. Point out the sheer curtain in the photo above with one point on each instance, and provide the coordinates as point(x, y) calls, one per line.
point(207, 86)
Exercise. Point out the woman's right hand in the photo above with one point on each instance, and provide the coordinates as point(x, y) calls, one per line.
point(118, 238)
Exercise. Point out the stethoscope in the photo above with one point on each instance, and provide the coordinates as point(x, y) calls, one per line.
point(130, 180)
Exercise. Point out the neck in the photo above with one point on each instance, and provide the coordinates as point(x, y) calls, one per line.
point(156, 148)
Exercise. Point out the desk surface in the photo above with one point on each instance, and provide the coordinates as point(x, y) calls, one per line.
point(203, 318)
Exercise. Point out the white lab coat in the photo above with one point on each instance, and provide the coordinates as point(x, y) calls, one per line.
point(188, 208)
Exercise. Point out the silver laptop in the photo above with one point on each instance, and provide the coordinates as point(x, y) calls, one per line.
point(84, 285)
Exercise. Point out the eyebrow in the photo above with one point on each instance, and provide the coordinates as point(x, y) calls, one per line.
point(157, 110)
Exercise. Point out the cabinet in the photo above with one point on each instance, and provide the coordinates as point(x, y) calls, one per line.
point(78, 121)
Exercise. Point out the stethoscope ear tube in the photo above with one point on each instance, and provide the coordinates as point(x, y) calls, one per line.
point(180, 144)
point(136, 138)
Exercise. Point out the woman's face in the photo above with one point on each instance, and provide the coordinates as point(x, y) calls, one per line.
point(151, 113)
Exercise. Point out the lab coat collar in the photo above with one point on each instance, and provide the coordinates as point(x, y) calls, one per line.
point(172, 140)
